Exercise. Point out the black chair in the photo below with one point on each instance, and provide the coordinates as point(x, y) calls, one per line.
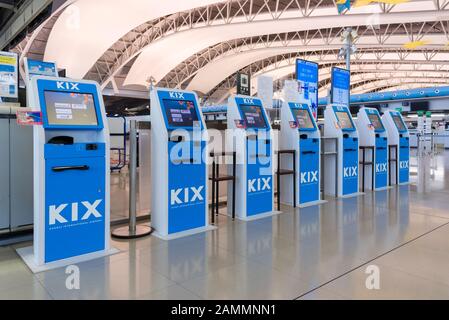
point(282, 172)
point(216, 179)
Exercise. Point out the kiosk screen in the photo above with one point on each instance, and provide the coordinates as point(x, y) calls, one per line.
point(376, 122)
point(253, 116)
point(344, 120)
point(180, 113)
point(70, 108)
point(399, 123)
point(303, 119)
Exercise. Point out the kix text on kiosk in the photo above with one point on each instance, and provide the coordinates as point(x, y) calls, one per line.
point(372, 133)
point(398, 136)
point(252, 142)
point(338, 123)
point(299, 132)
point(178, 164)
point(71, 174)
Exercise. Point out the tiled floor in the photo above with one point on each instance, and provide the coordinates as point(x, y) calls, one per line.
point(314, 253)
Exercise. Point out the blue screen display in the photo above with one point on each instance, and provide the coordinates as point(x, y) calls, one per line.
point(180, 113)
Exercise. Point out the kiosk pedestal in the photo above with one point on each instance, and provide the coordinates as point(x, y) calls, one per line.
point(338, 123)
point(399, 145)
point(178, 165)
point(299, 132)
point(250, 136)
point(71, 174)
point(373, 137)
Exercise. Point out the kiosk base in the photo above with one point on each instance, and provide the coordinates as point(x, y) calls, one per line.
point(182, 234)
point(383, 188)
point(27, 255)
point(352, 195)
point(259, 216)
point(312, 203)
point(404, 183)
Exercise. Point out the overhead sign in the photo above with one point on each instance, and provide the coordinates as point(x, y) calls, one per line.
point(340, 86)
point(40, 68)
point(9, 76)
point(307, 75)
point(243, 84)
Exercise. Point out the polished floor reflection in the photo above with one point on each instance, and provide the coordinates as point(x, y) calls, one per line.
point(314, 253)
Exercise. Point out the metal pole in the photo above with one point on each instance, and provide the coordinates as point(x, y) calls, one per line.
point(133, 230)
point(132, 176)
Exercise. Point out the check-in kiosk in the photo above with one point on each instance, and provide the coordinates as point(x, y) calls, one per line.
point(338, 123)
point(178, 164)
point(374, 144)
point(71, 174)
point(299, 132)
point(250, 136)
point(399, 145)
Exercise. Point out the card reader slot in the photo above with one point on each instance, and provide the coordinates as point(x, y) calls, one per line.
point(308, 152)
point(70, 168)
point(350, 149)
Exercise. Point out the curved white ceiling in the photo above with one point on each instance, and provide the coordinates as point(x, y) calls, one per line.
point(214, 72)
point(159, 58)
point(87, 28)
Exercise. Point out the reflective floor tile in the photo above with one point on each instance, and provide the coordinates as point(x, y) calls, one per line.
point(322, 294)
point(33, 290)
point(119, 280)
point(247, 280)
point(174, 292)
point(186, 261)
point(394, 284)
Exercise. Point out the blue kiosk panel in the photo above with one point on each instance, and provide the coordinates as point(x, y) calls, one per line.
point(381, 165)
point(258, 152)
point(309, 158)
point(74, 198)
point(350, 151)
point(186, 166)
point(404, 147)
point(75, 187)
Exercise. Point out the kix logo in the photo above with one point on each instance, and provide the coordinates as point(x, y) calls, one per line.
point(260, 184)
point(350, 172)
point(61, 215)
point(186, 195)
point(381, 168)
point(309, 177)
point(403, 165)
point(248, 101)
point(67, 85)
point(176, 95)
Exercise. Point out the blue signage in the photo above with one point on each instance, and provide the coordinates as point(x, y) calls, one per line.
point(307, 75)
point(340, 86)
point(41, 68)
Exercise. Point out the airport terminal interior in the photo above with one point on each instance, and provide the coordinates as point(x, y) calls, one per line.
point(224, 150)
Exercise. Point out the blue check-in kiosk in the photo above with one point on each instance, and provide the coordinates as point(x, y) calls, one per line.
point(299, 132)
point(399, 144)
point(71, 173)
point(250, 136)
point(372, 133)
point(178, 164)
point(338, 123)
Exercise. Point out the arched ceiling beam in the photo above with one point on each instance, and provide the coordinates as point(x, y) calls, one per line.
point(157, 59)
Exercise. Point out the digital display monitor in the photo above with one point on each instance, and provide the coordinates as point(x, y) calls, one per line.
point(180, 113)
point(253, 116)
point(303, 119)
point(399, 123)
point(376, 122)
point(344, 120)
point(70, 108)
